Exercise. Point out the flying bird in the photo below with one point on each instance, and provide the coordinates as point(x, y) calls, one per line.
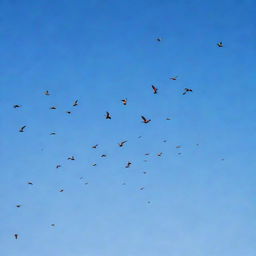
point(71, 158)
point(52, 225)
point(95, 146)
point(154, 89)
point(124, 101)
point(30, 183)
point(75, 103)
point(144, 172)
point(22, 128)
point(174, 78)
point(147, 154)
point(145, 120)
point(167, 118)
point(179, 146)
point(46, 93)
point(62, 190)
point(18, 205)
point(17, 106)
point(121, 144)
point(128, 165)
point(94, 164)
point(141, 188)
point(16, 236)
point(53, 108)
point(159, 39)
point(108, 116)
point(103, 155)
point(68, 112)
point(53, 133)
point(220, 44)
point(58, 166)
point(160, 154)
point(186, 90)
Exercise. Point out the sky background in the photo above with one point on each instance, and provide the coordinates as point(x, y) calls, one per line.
point(100, 52)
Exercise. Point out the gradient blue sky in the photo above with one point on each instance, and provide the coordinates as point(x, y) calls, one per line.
point(100, 52)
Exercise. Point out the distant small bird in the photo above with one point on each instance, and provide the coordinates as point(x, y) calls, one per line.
point(141, 188)
point(179, 146)
point(53, 133)
point(159, 39)
point(145, 120)
point(139, 137)
point(147, 154)
point(75, 103)
point(124, 101)
point(58, 166)
point(53, 108)
point(148, 202)
point(71, 158)
point(62, 190)
point(220, 44)
point(128, 165)
point(160, 154)
point(222, 159)
point(68, 112)
point(121, 144)
point(103, 155)
point(17, 106)
point(22, 128)
point(154, 89)
point(174, 78)
point(30, 183)
point(164, 141)
point(168, 118)
point(108, 116)
point(52, 225)
point(197, 144)
point(144, 172)
point(94, 164)
point(179, 153)
point(18, 205)
point(86, 183)
point(95, 146)
point(46, 93)
point(16, 236)
point(186, 90)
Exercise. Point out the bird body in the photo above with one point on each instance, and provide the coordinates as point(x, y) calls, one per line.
point(145, 120)
point(22, 128)
point(108, 116)
point(121, 144)
point(220, 44)
point(75, 103)
point(124, 101)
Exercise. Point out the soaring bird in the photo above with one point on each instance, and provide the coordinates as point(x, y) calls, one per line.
point(94, 164)
point(62, 190)
point(168, 118)
point(141, 188)
point(124, 101)
point(160, 154)
point(187, 90)
point(159, 39)
point(179, 146)
point(95, 146)
point(164, 141)
point(121, 144)
point(144, 172)
point(108, 116)
point(145, 120)
point(154, 89)
point(53, 225)
point(71, 158)
point(147, 154)
point(103, 155)
point(16, 236)
point(17, 106)
point(53, 133)
point(75, 103)
point(128, 165)
point(30, 183)
point(18, 205)
point(58, 166)
point(220, 44)
point(174, 78)
point(53, 108)
point(22, 128)
point(68, 112)
point(46, 93)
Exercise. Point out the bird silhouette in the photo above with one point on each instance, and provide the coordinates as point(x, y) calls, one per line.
point(220, 44)
point(16, 236)
point(17, 106)
point(121, 144)
point(95, 146)
point(167, 118)
point(53, 225)
point(18, 205)
point(186, 90)
point(103, 155)
point(72, 158)
point(145, 120)
point(58, 166)
point(108, 116)
point(53, 107)
point(174, 78)
point(94, 164)
point(128, 165)
point(160, 154)
point(142, 188)
point(178, 146)
point(68, 112)
point(47, 93)
point(62, 190)
point(53, 133)
point(154, 89)
point(30, 183)
point(159, 39)
point(124, 101)
point(75, 103)
point(22, 128)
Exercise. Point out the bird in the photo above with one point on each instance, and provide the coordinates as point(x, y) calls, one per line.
point(18, 205)
point(71, 158)
point(95, 146)
point(75, 103)
point(68, 112)
point(22, 128)
point(144, 172)
point(147, 154)
point(53, 107)
point(128, 165)
point(108, 116)
point(17, 106)
point(178, 146)
point(103, 155)
point(62, 190)
point(124, 101)
point(58, 166)
point(47, 93)
point(148, 202)
point(187, 90)
point(141, 188)
point(154, 89)
point(159, 39)
point(30, 183)
point(160, 154)
point(167, 118)
point(94, 164)
point(121, 144)
point(145, 120)
point(53, 225)
point(174, 78)
point(220, 44)
point(164, 141)
point(86, 183)
point(179, 153)
point(16, 236)
point(53, 133)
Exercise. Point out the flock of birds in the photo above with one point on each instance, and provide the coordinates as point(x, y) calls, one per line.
point(108, 116)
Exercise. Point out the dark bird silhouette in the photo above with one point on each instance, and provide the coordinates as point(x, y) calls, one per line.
point(147, 154)
point(71, 158)
point(164, 141)
point(30, 183)
point(124, 101)
point(95, 146)
point(148, 202)
point(123, 183)
point(94, 164)
point(121, 144)
point(16, 236)
point(58, 166)
point(53, 133)
point(128, 165)
point(86, 183)
point(220, 44)
point(144, 172)
point(17, 106)
point(142, 188)
point(160, 154)
point(52, 225)
point(159, 39)
point(145, 120)
point(174, 78)
point(186, 90)
point(103, 155)
point(139, 137)
point(168, 118)
point(47, 93)
point(18, 205)
point(108, 116)
point(62, 190)
point(22, 128)
point(53, 108)
point(154, 89)
point(179, 146)
point(68, 112)
point(75, 103)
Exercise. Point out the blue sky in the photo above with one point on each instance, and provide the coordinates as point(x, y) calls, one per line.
point(100, 52)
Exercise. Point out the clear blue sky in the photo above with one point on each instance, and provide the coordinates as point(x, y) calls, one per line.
point(100, 52)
